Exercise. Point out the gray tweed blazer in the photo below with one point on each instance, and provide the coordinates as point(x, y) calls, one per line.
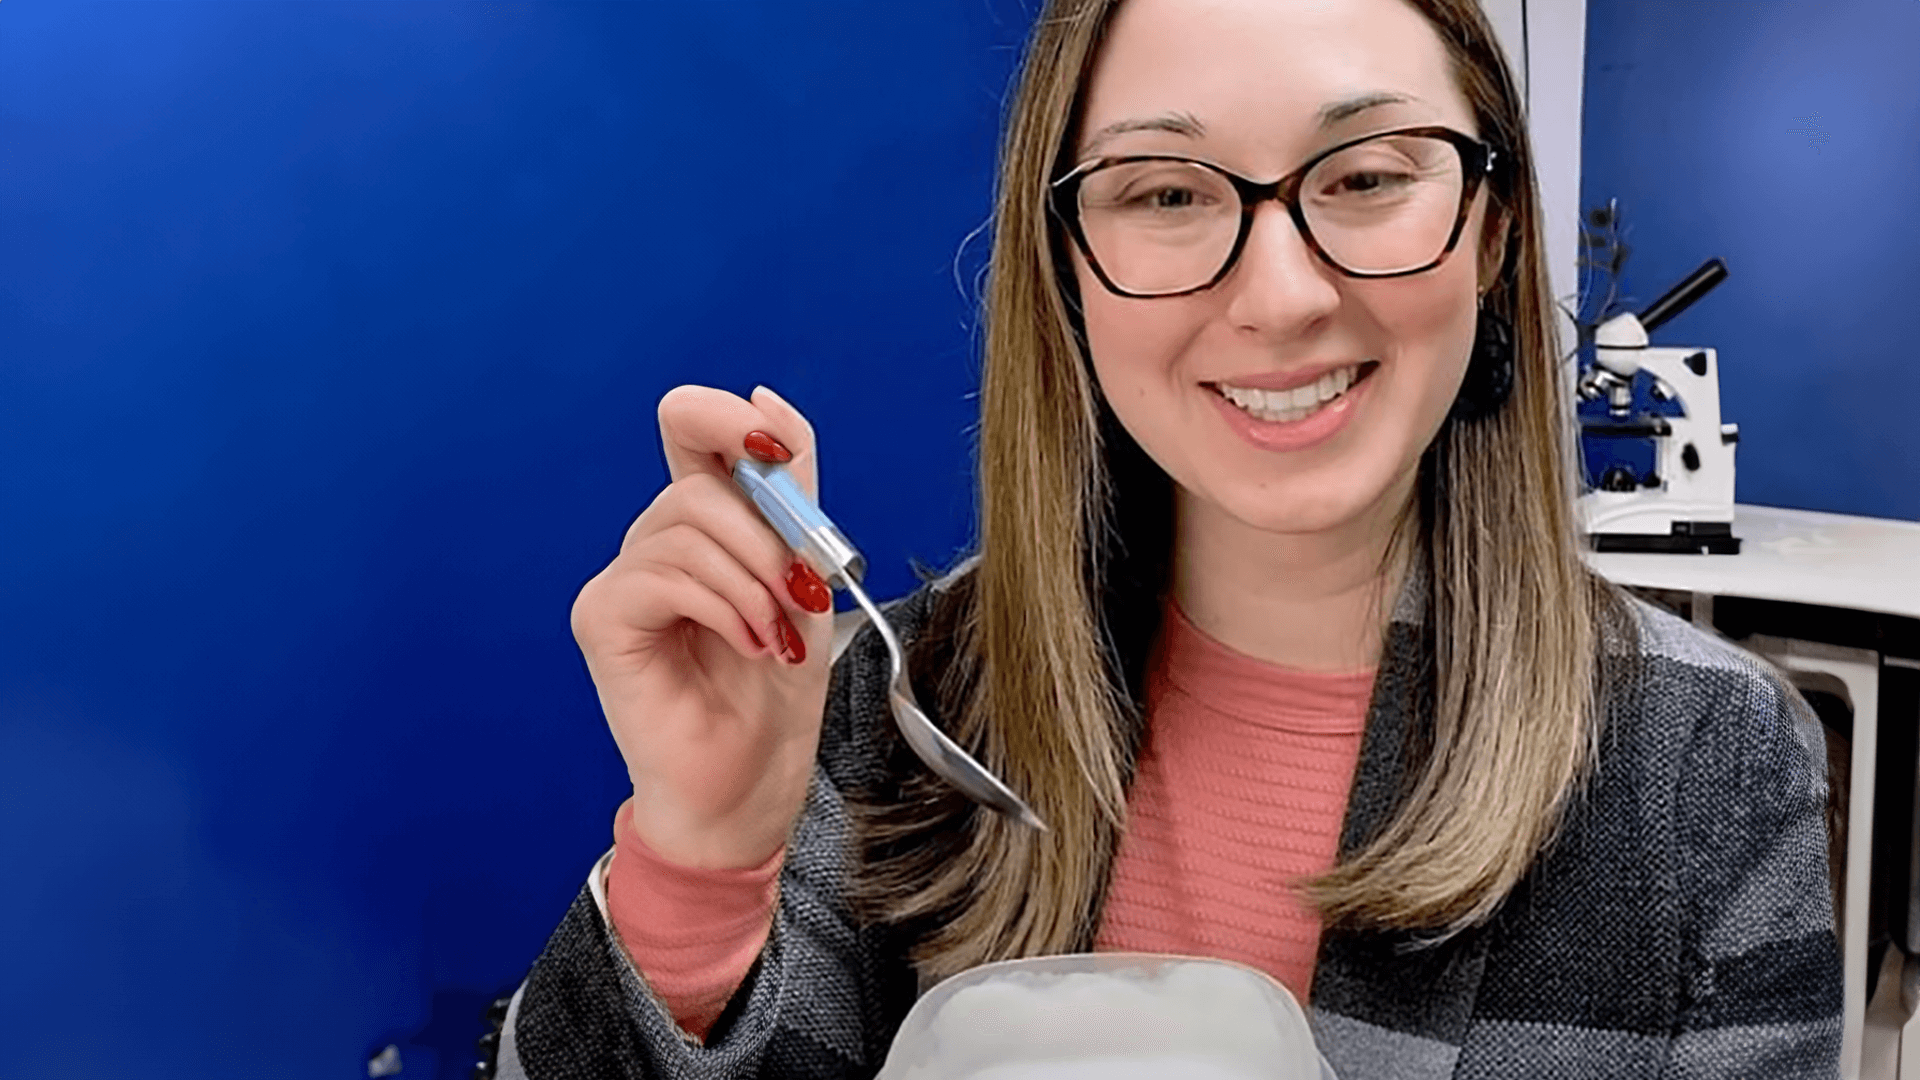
point(1679, 927)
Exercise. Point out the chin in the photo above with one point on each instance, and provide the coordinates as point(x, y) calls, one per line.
point(1301, 505)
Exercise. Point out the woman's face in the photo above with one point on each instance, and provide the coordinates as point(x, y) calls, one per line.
point(1244, 84)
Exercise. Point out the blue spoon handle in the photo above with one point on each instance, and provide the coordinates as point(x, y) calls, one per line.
point(811, 534)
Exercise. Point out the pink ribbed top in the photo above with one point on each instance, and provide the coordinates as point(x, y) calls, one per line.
point(1241, 788)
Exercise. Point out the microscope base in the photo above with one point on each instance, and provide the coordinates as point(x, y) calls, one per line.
point(1687, 538)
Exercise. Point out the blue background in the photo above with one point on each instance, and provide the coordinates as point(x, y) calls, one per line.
point(330, 337)
point(1695, 120)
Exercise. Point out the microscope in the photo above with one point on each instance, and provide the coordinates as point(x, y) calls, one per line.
point(1671, 396)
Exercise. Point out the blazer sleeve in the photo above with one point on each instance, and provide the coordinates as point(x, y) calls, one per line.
point(1760, 993)
point(821, 1002)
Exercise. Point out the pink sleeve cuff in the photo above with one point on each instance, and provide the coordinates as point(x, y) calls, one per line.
point(692, 933)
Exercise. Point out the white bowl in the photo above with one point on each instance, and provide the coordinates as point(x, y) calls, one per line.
point(1107, 1016)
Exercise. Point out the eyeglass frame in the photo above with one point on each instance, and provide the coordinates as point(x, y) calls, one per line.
point(1477, 163)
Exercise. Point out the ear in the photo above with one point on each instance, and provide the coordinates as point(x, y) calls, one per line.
point(1493, 248)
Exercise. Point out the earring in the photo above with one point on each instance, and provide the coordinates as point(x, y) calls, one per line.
point(1489, 379)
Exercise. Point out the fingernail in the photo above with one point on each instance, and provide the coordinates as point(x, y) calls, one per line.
point(765, 447)
point(755, 638)
point(790, 640)
point(807, 589)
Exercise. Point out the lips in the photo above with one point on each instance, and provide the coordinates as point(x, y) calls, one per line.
point(1294, 377)
point(1292, 430)
point(1298, 395)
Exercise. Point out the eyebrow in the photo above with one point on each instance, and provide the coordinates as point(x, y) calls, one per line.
point(1331, 114)
point(1178, 123)
point(1349, 108)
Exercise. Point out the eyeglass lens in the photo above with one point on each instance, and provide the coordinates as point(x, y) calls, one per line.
point(1381, 206)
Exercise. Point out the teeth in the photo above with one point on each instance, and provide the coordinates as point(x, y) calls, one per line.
point(1284, 406)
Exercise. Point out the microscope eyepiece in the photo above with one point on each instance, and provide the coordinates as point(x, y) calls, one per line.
point(1682, 296)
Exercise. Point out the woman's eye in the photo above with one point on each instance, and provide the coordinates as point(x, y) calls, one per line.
point(1162, 191)
point(1369, 183)
point(1165, 198)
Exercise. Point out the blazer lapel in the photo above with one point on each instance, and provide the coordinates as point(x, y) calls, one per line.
point(1392, 1006)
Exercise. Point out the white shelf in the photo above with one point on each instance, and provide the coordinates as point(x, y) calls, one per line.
point(1799, 556)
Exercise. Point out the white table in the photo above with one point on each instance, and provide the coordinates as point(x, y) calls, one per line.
point(1836, 597)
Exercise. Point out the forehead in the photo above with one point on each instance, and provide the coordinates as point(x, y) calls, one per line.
point(1257, 74)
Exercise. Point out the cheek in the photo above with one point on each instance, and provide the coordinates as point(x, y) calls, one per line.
point(1447, 338)
point(1137, 346)
point(1436, 342)
point(1435, 327)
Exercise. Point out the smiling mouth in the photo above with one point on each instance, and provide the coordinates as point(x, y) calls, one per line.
point(1288, 406)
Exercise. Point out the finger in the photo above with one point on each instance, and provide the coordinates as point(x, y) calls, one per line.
point(654, 599)
point(695, 553)
point(788, 418)
point(764, 447)
point(704, 430)
point(713, 507)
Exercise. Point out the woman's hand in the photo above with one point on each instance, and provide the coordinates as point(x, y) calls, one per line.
point(707, 640)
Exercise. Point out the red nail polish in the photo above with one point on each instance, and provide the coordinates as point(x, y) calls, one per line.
point(790, 640)
point(755, 638)
point(807, 589)
point(765, 447)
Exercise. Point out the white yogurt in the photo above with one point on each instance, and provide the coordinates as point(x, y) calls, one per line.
point(1106, 1018)
point(1117, 1068)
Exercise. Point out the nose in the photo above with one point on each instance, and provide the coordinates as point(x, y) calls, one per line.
point(1279, 284)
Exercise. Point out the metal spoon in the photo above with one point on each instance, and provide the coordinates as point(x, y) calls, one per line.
point(820, 543)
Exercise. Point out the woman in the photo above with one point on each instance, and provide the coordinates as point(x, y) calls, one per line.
point(1277, 586)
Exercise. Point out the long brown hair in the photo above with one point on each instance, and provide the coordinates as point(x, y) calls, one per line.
point(1036, 651)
